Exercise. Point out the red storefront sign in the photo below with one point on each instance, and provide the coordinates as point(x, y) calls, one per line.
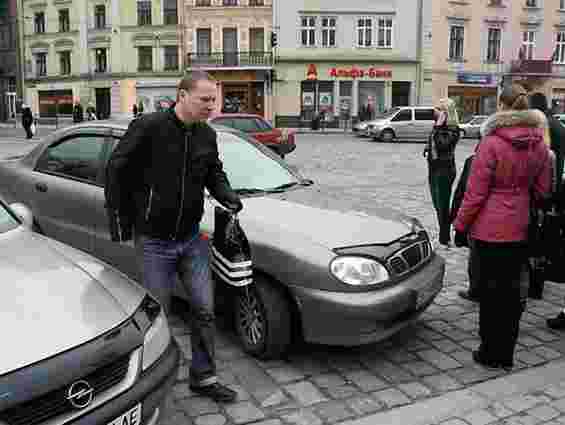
point(355, 72)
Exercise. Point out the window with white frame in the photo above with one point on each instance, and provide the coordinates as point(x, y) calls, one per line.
point(384, 32)
point(456, 40)
point(364, 32)
point(559, 54)
point(41, 64)
point(308, 31)
point(494, 43)
point(531, 3)
point(561, 4)
point(328, 31)
point(528, 44)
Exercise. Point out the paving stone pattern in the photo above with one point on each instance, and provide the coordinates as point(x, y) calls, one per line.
point(317, 385)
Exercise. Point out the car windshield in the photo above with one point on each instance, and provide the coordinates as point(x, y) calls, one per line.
point(7, 220)
point(249, 168)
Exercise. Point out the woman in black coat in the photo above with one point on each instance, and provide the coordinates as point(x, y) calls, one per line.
point(27, 120)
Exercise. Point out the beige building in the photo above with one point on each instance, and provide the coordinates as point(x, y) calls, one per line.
point(480, 45)
point(231, 39)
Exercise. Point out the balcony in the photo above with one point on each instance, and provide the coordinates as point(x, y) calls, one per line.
point(255, 59)
point(531, 67)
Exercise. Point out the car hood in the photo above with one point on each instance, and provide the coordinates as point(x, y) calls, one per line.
point(330, 228)
point(54, 298)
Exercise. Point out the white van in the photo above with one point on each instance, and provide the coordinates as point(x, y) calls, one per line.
point(402, 123)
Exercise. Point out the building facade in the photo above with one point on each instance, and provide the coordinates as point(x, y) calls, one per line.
point(355, 57)
point(478, 46)
point(231, 39)
point(104, 52)
point(8, 64)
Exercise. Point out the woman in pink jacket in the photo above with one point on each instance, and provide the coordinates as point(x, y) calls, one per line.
point(512, 161)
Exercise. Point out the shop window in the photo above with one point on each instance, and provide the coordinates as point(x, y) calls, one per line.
point(384, 33)
point(328, 31)
point(371, 95)
point(559, 54)
point(401, 93)
point(308, 31)
point(456, 39)
point(528, 44)
point(364, 32)
point(493, 48)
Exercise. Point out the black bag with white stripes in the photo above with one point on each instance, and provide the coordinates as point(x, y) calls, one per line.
point(231, 254)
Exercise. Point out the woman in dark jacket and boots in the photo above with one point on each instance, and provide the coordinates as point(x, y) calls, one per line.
point(511, 163)
point(27, 120)
point(440, 153)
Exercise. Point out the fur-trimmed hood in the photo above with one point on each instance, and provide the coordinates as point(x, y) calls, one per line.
point(520, 128)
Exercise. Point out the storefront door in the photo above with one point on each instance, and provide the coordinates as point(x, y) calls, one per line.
point(236, 99)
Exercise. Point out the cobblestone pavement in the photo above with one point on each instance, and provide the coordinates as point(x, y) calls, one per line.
point(317, 384)
point(322, 385)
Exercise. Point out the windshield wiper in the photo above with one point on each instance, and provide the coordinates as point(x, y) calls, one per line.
point(305, 182)
point(249, 191)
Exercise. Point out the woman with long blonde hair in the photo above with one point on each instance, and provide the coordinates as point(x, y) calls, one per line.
point(440, 153)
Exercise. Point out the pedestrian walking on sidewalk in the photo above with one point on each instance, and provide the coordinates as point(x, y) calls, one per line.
point(511, 165)
point(155, 182)
point(27, 120)
point(78, 113)
point(440, 153)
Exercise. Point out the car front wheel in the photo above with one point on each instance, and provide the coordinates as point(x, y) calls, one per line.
point(263, 319)
point(387, 136)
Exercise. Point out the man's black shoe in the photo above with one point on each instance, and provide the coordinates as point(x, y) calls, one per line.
point(468, 296)
point(479, 358)
point(216, 392)
point(557, 322)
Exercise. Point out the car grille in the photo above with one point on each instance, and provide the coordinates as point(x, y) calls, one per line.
point(409, 258)
point(55, 403)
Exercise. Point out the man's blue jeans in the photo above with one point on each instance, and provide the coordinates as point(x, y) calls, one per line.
point(160, 262)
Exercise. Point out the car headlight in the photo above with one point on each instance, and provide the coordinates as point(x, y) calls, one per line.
point(151, 319)
point(362, 126)
point(358, 271)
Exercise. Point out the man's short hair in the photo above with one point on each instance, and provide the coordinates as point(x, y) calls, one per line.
point(538, 101)
point(190, 80)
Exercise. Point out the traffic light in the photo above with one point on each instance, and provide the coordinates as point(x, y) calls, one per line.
point(274, 41)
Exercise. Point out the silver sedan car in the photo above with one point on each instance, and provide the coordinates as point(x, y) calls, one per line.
point(472, 128)
point(82, 342)
point(329, 276)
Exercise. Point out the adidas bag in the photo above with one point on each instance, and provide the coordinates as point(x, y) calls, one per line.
point(231, 255)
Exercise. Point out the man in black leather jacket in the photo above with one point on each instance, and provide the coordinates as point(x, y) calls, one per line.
point(155, 184)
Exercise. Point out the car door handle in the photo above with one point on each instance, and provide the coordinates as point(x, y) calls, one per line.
point(41, 187)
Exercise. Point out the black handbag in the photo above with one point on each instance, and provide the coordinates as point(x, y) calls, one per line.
point(231, 253)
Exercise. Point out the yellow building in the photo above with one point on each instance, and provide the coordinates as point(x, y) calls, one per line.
point(99, 51)
point(479, 46)
point(231, 39)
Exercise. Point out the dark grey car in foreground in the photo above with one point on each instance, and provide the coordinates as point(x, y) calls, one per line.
point(329, 276)
point(82, 342)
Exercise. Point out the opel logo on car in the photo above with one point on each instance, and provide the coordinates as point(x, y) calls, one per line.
point(80, 394)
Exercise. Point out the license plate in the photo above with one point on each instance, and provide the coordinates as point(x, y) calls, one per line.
point(131, 417)
point(425, 293)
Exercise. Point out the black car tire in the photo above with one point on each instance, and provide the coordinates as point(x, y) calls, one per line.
point(269, 307)
point(387, 136)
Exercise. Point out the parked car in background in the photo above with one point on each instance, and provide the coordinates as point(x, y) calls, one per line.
point(560, 117)
point(471, 129)
point(282, 141)
point(329, 276)
point(403, 123)
point(87, 345)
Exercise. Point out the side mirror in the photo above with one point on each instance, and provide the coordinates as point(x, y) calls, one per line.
point(24, 213)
